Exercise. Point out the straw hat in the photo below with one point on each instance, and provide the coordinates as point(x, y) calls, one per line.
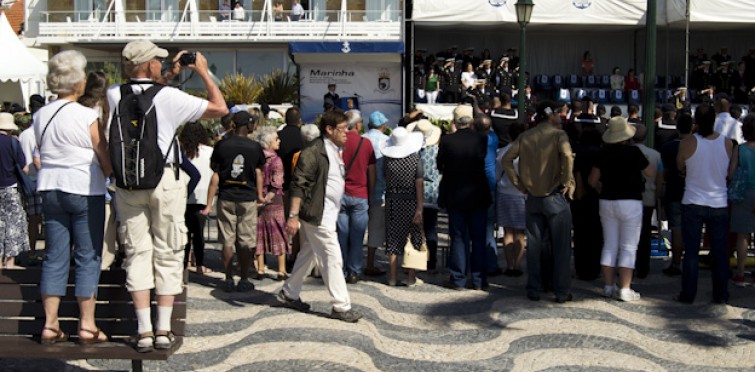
point(7, 122)
point(401, 143)
point(618, 130)
point(430, 132)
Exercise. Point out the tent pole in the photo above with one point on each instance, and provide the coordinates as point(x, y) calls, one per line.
point(648, 99)
point(686, 45)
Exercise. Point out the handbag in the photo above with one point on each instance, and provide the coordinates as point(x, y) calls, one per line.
point(738, 185)
point(413, 258)
point(24, 182)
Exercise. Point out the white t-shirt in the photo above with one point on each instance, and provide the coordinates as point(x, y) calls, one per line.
point(728, 127)
point(69, 163)
point(202, 163)
point(239, 13)
point(174, 108)
point(469, 79)
point(29, 147)
point(335, 186)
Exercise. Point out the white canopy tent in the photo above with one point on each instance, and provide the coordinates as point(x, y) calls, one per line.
point(20, 69)
point(562, 30)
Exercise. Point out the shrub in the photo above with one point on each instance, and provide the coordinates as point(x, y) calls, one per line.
point(278, 88)
point(240, 89)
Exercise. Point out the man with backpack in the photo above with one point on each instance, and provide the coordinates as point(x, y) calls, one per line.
point(151, 200)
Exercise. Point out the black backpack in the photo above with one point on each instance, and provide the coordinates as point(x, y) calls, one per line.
point(138, 163)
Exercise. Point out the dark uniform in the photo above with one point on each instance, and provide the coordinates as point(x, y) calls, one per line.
point(723, 79)
point(504, 79)
point(451, 84)
point(502, 119)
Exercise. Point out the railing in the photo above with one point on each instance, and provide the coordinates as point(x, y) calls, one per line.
point(209, 25)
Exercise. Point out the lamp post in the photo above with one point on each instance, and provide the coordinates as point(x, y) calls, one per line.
point(523, 15)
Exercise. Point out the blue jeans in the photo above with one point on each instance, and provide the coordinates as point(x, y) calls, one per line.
point(352, 223)
point(716, 222)
point(430, 224)
point(76, 219)
point(463, 227)
point(548, 219)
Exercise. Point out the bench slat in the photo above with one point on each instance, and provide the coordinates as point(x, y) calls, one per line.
point(124, 327)
point(31, 275)
point(26, 347)
point(70, 309)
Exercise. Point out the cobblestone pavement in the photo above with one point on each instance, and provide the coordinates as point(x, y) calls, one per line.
point(430, 327)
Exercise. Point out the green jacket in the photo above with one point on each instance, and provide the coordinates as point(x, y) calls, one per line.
point(309, 181)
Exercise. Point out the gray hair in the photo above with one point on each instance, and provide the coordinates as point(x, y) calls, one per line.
point(66, 71)
point(354, 117)
point(464, 122)
point(309, 132)
point(266, 135)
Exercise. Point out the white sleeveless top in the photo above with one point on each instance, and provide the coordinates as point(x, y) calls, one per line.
point(706, 173)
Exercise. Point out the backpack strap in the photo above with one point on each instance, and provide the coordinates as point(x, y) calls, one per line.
point(351, 162)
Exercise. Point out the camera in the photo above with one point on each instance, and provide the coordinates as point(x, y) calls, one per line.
point(189, 58)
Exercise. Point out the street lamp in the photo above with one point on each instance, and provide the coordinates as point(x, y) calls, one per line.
point(523, 15)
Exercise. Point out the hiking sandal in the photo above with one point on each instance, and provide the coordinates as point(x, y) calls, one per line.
point(144, 342)
point(164, 340)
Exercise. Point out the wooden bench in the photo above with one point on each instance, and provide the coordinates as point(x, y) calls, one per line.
point(22, 317)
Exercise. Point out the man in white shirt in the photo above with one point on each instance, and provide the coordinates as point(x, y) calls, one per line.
point(152, 220)
point(315, 208)
point(728, 126)
point(297, 11)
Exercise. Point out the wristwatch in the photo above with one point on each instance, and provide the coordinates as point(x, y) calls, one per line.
point(292, 215)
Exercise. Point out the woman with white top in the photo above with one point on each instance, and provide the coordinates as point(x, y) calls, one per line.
point(195, 142)
point(468, 78)
point(75, 161)
point(238, 12)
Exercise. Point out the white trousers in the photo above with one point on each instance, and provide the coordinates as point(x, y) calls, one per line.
point(320, 247)
point(432, 97)
point(622, 223)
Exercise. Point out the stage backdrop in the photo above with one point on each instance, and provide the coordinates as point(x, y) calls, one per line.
point(371, 72)
point(376, 85)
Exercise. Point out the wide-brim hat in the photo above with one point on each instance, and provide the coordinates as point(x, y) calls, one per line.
point(430, 132)
point(401, 143)
point(618, 130)
point(7, 122)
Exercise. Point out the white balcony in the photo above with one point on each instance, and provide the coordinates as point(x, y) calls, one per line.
point(351, 25)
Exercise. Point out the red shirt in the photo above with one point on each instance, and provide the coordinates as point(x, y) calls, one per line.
point(356, 179)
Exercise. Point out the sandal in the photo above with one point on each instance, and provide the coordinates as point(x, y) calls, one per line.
point(95, 337)
point(282, 276)
point(164, 340)
point(60, 336)
point(144, 342)
point(260, 275)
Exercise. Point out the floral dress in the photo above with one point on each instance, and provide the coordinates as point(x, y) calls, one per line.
point(272, 237)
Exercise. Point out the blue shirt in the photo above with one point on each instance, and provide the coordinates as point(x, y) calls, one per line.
point(490, 159)
point(378, 194)
point(7, 165)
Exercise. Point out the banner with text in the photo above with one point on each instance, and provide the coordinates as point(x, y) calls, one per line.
point(376, 87)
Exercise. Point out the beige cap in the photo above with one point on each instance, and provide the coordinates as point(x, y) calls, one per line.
point(461, 111)
point(140, 51)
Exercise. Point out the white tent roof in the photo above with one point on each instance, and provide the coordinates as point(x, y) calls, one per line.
point(17, 62)
point(604, 13)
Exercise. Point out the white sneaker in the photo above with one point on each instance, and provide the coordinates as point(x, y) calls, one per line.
point(610, 290)
point(627, 295)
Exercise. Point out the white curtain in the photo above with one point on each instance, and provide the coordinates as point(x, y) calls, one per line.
point(383, 10)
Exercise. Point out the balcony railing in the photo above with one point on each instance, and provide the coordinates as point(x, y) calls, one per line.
point(352, 25)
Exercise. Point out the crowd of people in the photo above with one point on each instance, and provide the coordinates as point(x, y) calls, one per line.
point(566, 181)
point(449, 75)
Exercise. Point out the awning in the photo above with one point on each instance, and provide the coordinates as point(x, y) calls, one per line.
point(347, 47)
